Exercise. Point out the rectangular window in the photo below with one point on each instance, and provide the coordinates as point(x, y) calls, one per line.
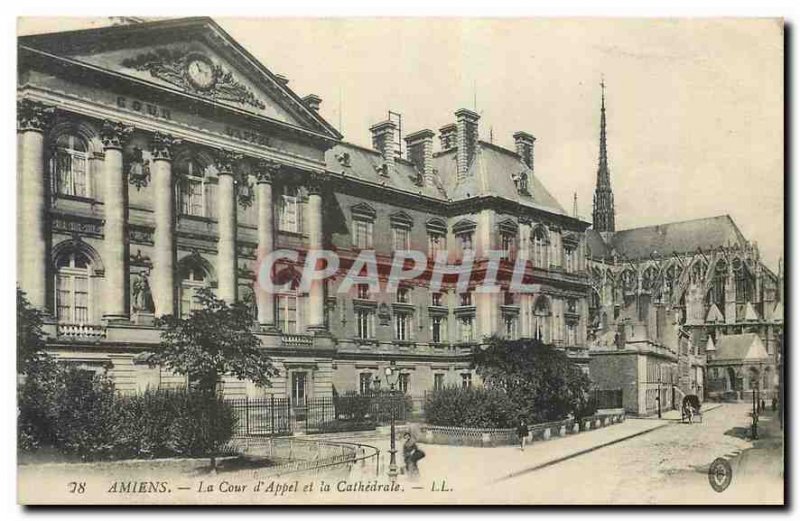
point(464, 241)
point(466, 380)
point(71, 174)
point(436, 243)
point(288, 211)
point(362, 234)
point(287, 313)
point(299, 387)
point(572, 335)
point(401, 238)
point(507, 245)
point(569, 260)
point(72, 298)
point(466, 329)
point(465, 299)
point(438, 381)
point(510, 324)
point(403, 295)
point(365, 320)
point(438, 329)
point(365, 383)
point(192, 197)
point(402, 326)
point(437, 299)
point(403, 383)
point(362, 291)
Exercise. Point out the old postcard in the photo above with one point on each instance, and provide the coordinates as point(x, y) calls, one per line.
point(400, 261)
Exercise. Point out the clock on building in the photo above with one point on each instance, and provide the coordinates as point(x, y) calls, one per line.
point(200, 72)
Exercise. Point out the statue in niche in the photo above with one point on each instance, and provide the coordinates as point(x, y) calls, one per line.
point(141, 296)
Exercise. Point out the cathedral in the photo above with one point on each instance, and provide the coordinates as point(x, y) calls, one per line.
point(678, 308)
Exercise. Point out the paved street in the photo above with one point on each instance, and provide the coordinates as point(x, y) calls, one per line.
point(663, 461)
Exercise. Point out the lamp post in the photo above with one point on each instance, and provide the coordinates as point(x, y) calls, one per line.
point(392, 375)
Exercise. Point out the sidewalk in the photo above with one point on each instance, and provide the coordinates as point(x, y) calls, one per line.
point(467, 467)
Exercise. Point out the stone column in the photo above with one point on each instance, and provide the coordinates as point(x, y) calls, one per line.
point(115, 251)
point(316, 294)
point(163, 287)
point(33, 118)
point(265, 173)
point(226, 243)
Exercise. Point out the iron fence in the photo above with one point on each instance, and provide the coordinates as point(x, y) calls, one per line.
point(273, 416)
point(607, 398)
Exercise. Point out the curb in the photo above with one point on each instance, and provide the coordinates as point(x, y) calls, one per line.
point(666, 423)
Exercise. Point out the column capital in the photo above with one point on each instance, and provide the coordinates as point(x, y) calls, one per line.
point(315, 183)
point(226, 161)
point(33, 115)
point(114, 134)
point(162, 145)
point(267, 170)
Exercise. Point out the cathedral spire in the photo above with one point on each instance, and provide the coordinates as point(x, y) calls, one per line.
point(603, 212)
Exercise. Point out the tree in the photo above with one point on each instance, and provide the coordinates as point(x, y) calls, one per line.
point(213, 341)
point(538, 378)
point(31, 355)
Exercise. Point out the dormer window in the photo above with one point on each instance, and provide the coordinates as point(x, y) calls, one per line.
point(521, 182)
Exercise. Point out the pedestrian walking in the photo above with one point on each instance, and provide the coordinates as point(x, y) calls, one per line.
point(411, 456)
point(522, 432)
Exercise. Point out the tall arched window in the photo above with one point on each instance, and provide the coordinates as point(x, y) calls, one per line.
point(744, 282)
point(71, 166)
point(716, 293)
point(192, 187)
point(541, 319)
point(73, 288)
point(193, 277)
point(541, 245)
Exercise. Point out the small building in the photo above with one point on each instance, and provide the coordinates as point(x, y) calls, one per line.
point(738, 365)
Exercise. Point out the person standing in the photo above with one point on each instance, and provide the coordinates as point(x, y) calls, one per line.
point(522, 432)
point(411, 456)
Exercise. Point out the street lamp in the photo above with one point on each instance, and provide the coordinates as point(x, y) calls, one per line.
point(392, 375)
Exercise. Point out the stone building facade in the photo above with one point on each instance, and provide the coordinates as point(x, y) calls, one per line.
point(161, 157)
point(662, 296)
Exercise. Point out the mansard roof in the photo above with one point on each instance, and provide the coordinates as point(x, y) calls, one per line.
point(678, 237)
point(363, 164)
point(155, 54)
point(490, 174)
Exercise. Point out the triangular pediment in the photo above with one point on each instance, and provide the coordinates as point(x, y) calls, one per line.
point(750, 313)
point(193, 56)
point(714, 315)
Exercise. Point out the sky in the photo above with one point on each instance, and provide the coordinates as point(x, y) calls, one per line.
point(694, 107)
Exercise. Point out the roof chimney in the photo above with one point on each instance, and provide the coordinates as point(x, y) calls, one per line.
point(384, 139)
point(419, 147)
point(524, 145)
point(447, 136)
point(466, 139)
point(313, 102)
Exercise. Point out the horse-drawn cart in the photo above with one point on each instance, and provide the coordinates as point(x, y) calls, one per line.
point(691, 408)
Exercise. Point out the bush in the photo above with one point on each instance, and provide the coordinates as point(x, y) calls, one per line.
point(83, 415)
point(474, 407)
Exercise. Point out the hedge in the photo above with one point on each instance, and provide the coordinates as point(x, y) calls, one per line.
point(85, 416)
point(474, 407)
